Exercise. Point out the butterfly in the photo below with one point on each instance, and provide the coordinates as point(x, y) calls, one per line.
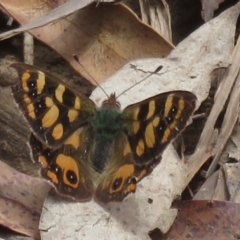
point(88, 152)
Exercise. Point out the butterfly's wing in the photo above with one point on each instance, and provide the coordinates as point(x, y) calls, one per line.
point(67, 168)
point(53, 111)
point(121, 175)
point(155, 122)
point(59, 120)
point(150, 126)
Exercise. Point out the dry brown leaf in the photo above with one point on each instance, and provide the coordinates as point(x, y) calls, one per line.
point(103, 37)
point(21, 200)
point(208, 220)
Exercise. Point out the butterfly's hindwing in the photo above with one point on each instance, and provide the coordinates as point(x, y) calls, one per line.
point(53, 111)
point(119, 178)
point(154, 122)
point(66, 168)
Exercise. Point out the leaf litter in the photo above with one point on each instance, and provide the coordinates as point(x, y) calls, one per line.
point(188, 67)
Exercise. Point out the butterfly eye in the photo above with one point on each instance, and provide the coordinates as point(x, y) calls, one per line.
point(117, 183)
point(71, 177)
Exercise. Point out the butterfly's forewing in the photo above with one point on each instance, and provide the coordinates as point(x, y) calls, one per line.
point(67, 168)
point(53, 111)
point(155, 122)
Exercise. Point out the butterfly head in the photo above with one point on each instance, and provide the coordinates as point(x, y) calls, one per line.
point(111, 102)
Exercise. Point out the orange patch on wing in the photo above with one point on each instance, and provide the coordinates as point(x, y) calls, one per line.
point(52, 176)
point(135, 113)
point(141, 175)
point(25, 77)
point(181, 105)
point(168, 105)
point(166, 135)
point(156, 121)
point(140, 148)
point(26, 99)
point(50, 116)
point(131, 188)
point(123, 173)
point(126, 149)
point(57, 132)
point(40, 82)
point(59, 92)
point(77, 104)
point(49, 102)
point(74, 139)
point(149, 135)
point(30, 110)
point(136, 126)
point(67, 163)
point(151, 109)
point(43, 161)
point(72, 115)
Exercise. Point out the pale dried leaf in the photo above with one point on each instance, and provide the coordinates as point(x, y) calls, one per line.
point(21, 200)
point(232, 173)
point(214, 188)
point(207, 189)
point(234, 151)
point(208, 8)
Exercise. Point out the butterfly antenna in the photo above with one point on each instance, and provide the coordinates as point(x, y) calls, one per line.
point(157, 70)
point(75, 57)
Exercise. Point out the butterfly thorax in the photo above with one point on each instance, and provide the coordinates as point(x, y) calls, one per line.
point(107, 123)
